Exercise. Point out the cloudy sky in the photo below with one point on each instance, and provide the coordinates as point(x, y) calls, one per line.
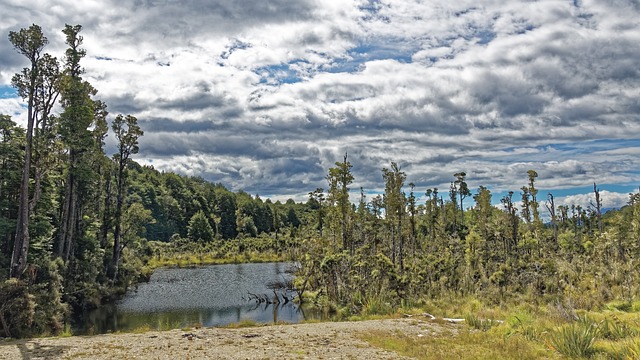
point(266, 95)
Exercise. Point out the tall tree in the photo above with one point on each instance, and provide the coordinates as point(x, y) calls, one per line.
point(551, 208)
point(127, 133)
point(535, 212)
point(395, 201)
point(483, 211)
point(432, 212)
point(75, 121)
point(597, 206)
point(463, 191)
point(11, 157)
point(226, 211)
point(339, 179)
point(511, 211)
point(316, 202)
point(411, 203)
point(28, 42)
point(47, 91)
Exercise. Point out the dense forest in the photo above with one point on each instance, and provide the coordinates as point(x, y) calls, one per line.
point(79, 226)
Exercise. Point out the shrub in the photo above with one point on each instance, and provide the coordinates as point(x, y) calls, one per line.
point(17, 309)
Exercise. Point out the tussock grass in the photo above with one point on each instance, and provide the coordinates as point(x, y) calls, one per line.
point(575, 340)
point(478, 323)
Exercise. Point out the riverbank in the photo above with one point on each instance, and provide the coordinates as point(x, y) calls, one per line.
point(330, 340)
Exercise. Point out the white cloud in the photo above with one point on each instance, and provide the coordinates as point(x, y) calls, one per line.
point(232, 90)
point(14, 107)
point(609, 200)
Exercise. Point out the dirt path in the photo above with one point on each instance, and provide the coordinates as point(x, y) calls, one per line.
point(299, 341)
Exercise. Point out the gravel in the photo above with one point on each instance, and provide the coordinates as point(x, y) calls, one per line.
point(329, 340)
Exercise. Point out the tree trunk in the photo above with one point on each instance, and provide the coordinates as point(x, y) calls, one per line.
point(401, 244)
point(106, 215)
point(69, 214)
point(21, 243)
point(117, 234)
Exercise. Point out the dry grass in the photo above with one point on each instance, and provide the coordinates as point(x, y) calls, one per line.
point(466, 344)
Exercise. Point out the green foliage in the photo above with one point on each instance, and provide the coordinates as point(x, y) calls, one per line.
point(17, 309)
point(50, 312)
point(199, 228)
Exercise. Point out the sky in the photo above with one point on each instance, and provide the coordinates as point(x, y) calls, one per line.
point(265, 96)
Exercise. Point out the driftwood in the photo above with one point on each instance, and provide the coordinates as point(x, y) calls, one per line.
point(260, 298)
point(427, 315)
point(280, 289)
point(277, 298)
point(450, 320)
point(453, 321)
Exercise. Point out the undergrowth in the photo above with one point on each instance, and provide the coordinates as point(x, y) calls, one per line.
point(518, 332)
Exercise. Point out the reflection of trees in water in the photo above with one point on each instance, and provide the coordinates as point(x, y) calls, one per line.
point(283, 292)
point(109, 319)
point(160, 306)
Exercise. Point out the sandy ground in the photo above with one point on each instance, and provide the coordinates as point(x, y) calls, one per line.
point(337, 340)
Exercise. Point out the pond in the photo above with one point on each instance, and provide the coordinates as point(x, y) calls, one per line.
point(214, 295)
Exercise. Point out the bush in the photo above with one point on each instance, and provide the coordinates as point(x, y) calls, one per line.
point(17, 310)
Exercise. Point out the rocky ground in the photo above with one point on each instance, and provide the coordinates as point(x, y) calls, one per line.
point(331, 340)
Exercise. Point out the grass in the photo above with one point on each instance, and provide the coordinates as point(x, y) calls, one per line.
point(478, 323)
point(246, 323)
point(527, 332)
point(575, 340)
point(141, 329)
point(465, 344)
point(192, 260)
point(66, 331)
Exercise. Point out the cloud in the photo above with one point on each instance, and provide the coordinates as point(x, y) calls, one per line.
point(267, 96)
point(609, 200)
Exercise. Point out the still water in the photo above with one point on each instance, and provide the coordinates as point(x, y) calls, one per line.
point(211, 296)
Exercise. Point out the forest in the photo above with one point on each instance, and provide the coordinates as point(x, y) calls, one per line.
point(79, 226)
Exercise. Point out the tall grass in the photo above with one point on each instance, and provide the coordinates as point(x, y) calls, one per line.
point(575, 340)
point(612, 328)
point(523, 323)
point(478, 323)
point(630, 350)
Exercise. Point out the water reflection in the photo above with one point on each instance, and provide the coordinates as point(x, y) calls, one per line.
point(211, 296)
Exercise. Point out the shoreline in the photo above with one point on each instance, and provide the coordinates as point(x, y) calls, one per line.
point(285, 341)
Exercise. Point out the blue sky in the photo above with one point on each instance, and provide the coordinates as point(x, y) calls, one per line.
point(7, 92)
point(266, 96)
